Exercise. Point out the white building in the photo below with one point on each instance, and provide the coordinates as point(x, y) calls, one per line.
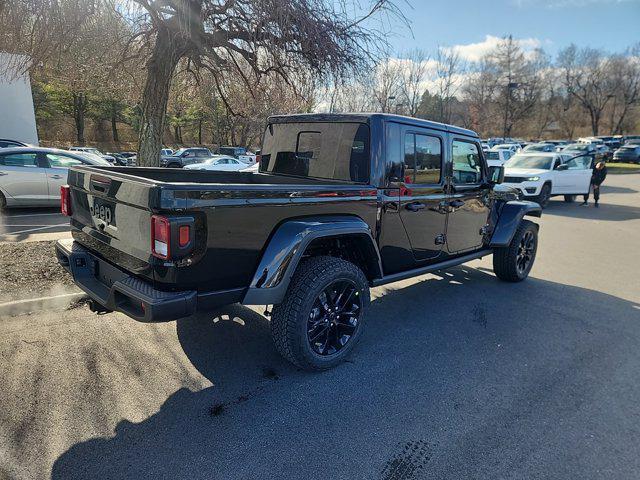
point(17, 116)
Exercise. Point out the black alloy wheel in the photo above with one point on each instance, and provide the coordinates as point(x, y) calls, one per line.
point(334, 316)
point(526, 252)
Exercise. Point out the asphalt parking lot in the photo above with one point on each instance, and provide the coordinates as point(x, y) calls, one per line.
point(18, 223)
point(458, 376)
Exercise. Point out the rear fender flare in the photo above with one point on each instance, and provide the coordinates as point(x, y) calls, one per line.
point(286, 248)
point(510, 217)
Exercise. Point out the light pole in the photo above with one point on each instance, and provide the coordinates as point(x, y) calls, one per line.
point(510, 87)
point(389, 100)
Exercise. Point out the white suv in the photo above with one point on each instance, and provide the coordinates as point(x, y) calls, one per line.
point(540, 175)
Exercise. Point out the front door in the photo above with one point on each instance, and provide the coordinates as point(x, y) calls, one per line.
point(468, 201)
point(578, 174)
point(422, 192)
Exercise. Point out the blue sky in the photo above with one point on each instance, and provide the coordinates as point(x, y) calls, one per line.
point(611, 25)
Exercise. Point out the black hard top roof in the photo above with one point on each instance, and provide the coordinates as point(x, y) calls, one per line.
point(367, 117)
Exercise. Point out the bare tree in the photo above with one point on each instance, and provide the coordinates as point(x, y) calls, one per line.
point(448, 67)
point(386, 92)
point(587, 79)
point(412, 76)
point(248, 37)
point(625, 78)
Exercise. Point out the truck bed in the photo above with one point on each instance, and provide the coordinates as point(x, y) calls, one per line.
point(235, 214)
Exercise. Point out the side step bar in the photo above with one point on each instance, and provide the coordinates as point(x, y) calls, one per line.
point(430, 268)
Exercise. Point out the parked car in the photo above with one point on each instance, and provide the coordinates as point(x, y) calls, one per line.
point(32, 176)
point(185, 156)
point(132, 158)
point(631, 139)
point(222, 163)
point(94, 151)
point(512, 147)
point(119, 158)
point(629, 152)
point(339, 207)
point(240, 153)
point(574, 149)
point(6, 143)
point(539, 147)
point(495, 158)
point(542, 175)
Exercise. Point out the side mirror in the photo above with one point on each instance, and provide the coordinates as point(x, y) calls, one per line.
point(562, 167)
point(496, 175)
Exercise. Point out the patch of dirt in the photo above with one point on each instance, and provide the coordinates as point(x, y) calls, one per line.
point(31, 269)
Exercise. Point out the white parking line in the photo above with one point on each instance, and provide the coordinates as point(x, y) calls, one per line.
point(25, 225)
point(34, 229)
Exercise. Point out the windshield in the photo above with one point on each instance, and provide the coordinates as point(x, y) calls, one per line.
point(530, 161)
point(338, 151)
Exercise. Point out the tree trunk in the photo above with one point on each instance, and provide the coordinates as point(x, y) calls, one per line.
point(79, 107)
point(114, 125)
point(166, 54)
point(199, 131)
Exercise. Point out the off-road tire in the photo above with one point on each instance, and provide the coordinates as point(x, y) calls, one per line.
point(289, 318)
point(504, 258)
point(569, 198)
point(174, 165)
point(545, 195)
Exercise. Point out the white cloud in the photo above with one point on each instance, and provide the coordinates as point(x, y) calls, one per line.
point(473, 52)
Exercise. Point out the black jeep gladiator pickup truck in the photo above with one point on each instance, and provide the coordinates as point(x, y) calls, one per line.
point(341, 203)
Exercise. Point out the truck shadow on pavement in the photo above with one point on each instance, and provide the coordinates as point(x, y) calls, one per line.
point(456, 374)
point(607, 211)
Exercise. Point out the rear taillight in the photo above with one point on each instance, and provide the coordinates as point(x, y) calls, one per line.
point(65, 200)
point(160, 237)
point(172, 237)
point(258, 158)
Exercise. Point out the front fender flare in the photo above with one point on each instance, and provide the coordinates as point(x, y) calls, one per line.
point(510, 217)
point(286, 247)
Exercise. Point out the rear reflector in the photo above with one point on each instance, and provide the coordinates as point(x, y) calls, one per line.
point(65, 200)
point(160, 237)
point(184, 236)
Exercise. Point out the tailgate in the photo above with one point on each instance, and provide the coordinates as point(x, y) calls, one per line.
point(111, 215)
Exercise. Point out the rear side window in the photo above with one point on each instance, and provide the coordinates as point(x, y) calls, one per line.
point(336, 151)
point(19, 160)
point(422, 159)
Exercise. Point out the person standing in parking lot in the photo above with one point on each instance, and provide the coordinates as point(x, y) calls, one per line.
point(597, 177)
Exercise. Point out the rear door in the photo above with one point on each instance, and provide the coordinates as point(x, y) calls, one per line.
point(23, 178)
point(422, 191)
point(468, 201)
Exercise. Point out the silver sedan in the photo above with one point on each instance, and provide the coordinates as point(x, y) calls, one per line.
point(32, 176)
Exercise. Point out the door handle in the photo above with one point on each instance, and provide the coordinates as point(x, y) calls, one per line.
point(57, 177)
point(2, 174)
point(415, 206)
point(456, 203)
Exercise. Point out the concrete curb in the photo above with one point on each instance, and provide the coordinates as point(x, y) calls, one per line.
point(59, 302)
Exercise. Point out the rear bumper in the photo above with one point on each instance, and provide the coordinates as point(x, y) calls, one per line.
point(118, 290)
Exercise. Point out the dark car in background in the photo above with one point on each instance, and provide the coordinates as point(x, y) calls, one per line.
point(186, 156)
point(629, 152)
point(540, 147)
